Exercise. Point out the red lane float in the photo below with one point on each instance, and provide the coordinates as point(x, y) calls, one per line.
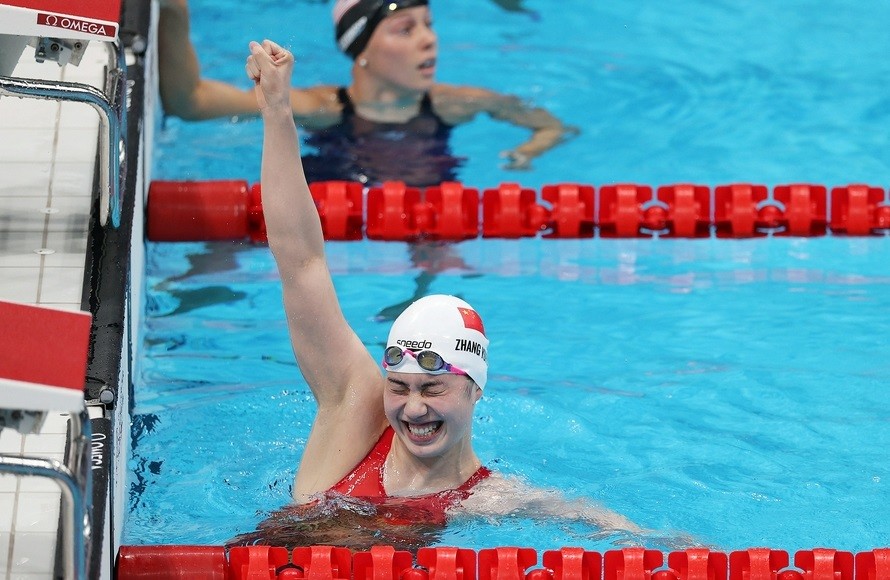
point(511, 211)
point(232, 210)
point(327, 562)
point(448, 563)
point(575, 563)
point(258, 562)
point(757, 564)
point(689, 210)
point(454, 212)
point(155, 562)
point(256, 221)
point(182, 211)
point(397, 212)
point(681, 210)
point(699, 564)
point(571, 210)
point(804, 209)
point(381, 562)
point(856, 210)
point(505, 562)
point(873, 565)
point(631, 564)
point(736, 210)
point(621, 212)
point(502, 563)
point(825, 563)
point(340, 206)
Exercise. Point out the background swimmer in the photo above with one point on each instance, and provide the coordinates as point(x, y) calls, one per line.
point(360, 130)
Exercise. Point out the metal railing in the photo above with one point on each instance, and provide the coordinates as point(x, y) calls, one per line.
point(110, 105)
point(76, 485)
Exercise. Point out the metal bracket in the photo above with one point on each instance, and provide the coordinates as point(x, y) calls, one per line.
point(60, 50)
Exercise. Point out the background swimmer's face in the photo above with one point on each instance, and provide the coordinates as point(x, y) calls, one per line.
point(402, 49)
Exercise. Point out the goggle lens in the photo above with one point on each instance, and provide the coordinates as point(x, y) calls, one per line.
point(392, 356)
point(430, 361)
point(426, 359)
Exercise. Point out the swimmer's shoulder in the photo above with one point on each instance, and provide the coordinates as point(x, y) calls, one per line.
point(316, 107)
point(457, 104)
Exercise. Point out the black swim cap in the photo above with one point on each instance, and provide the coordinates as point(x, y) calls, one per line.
point(355, 20)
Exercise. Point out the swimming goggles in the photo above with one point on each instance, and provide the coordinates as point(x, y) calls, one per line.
point(427, 359)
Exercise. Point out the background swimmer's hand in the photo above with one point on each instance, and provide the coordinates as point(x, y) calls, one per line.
point(543, 140)
point(270, 66)
point(516, 160)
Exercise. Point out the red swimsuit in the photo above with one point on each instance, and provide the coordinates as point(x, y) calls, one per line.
point(366, 481)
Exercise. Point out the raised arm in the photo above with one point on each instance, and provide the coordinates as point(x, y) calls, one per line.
point(346, 381)
point(460, 104)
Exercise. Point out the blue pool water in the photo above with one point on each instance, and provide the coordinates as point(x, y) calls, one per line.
point(693, 90)
point(733, 390)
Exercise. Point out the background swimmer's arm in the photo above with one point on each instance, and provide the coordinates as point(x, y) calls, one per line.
point(460, 104)
point(185, 94)
point(344, 379)
point(500, 496)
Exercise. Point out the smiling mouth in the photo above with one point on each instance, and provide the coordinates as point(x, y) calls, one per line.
point(427, 64)
point(423, 431)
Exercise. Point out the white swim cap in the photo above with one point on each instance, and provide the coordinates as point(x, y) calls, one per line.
point(447, 326)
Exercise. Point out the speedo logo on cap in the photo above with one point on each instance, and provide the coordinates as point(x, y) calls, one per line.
point(464, 345)
point(415, 344)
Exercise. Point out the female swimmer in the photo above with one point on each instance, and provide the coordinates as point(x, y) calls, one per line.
point(401, 437)
point(392, 122)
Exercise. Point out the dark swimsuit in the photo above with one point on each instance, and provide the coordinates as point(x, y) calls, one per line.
point(366, 481)
point(356, 149)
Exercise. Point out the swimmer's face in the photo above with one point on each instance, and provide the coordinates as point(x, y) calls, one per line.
point(431, 414)
point(402, 50)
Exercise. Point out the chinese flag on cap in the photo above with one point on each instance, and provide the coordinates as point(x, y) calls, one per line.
point(471, 319)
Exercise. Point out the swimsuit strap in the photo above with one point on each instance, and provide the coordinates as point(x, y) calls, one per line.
point(426, 106)
point(343, 97)
point(366, 478)
point(480, 474)
point(377, 457)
